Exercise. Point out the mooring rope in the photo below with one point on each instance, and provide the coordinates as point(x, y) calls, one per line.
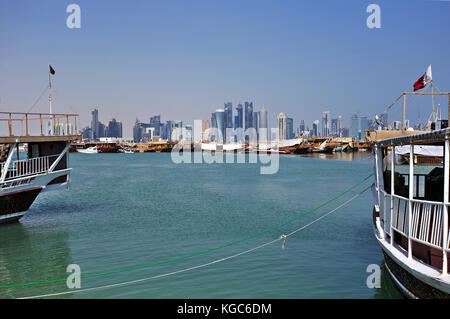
point(204, 251)
point(282, 237)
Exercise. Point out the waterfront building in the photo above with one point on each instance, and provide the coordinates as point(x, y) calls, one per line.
point(228, 109)
point(364, 125)
point(169, 128)
point(138, 131)
point(345, 132)
point(87, 133)
point(301, 127)
point(334, 127)
point(220, 122)
point(340, 126)
point(94, 123)
point(155, 122)
point(101, 130)
point(263, 125)
point(256, 122)
point(315, 128)
point(213, 120)
point(248, 115)
point(354, 128)
point(114, 129)
point(326, 123)
point(289, 127)
point(238, 120)
point(281, 125)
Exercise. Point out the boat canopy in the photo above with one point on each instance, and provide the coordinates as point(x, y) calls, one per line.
point(422, 150)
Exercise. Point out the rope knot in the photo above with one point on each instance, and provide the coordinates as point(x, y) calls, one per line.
point(284, 240)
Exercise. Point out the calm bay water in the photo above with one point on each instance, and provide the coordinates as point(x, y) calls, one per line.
point(128, 210)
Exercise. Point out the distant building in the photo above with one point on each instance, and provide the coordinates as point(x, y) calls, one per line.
point(354, 128)
point(94, 123)
point(315, 128)
point(238, 120)
point(155, 122)
point(256, 122)
point(263, 125)
point(340, 126)
point(301, 127)
point(138, 131)
point(87, 133)
point(326, 123)
point(281, 125)
point(364, 125)
point(220, 121)
point(334, 127)
point(114, 129)
point(289, 127)
point(228, 109)
point(345, 132)
point(248, 115)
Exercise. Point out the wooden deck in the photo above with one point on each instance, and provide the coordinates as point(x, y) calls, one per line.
point(38, 139)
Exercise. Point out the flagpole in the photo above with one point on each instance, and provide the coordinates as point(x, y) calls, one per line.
point(50, 100)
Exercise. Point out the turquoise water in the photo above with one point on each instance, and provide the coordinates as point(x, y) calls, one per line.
point(127, 210)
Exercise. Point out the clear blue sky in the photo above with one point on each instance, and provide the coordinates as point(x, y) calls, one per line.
point(183, 59)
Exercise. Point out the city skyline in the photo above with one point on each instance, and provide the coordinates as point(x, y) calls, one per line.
point(234, 118)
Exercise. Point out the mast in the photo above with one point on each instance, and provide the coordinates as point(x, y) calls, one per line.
point(432, 102)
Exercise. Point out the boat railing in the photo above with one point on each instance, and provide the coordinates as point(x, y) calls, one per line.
point(47, 124)
point(426, 219)
point(28, 167)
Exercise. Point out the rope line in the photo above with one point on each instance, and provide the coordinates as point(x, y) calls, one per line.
point(204, 251)
point(283, 237)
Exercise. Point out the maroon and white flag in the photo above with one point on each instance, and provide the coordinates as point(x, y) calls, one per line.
point(423, 80)
point(52, 70)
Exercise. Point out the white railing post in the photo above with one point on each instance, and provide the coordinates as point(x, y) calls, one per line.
point(411, 196)
point(7, 163)
point(377, 177)
point(445, 208)
point(392, 191)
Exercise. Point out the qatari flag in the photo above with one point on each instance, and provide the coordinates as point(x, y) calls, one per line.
point(423, 80)
point(52, 70)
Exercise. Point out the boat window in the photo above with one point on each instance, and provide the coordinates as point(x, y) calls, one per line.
point(428, 172)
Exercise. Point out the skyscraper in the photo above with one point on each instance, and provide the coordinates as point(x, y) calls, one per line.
point(114, 129)
point(213, 120)
point(340, 126)
point(326, 123)
point(302, 126)
point(364, 125)
point(220, 121)
point(155, 122)
point(256, 122)
point(354, 128)
point(263, 125)
point(248, 115)
point(315, 128)
point(289, 127)
point(228, 108)
point(94, 123)
point(281, 125)
point(334, 127)
point(238, 120)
